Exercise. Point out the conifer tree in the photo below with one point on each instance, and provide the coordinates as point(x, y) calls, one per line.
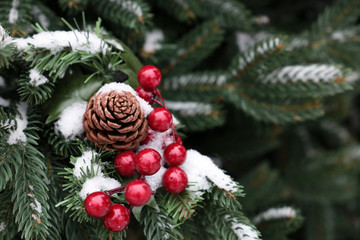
point(179, 119)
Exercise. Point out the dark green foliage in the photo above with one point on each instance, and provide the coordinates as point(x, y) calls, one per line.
point(16, 19)
point(181, 10)
point(34, 94)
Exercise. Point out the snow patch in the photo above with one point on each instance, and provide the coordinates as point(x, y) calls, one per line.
point(200, 170)
point(70, 121)
point(275, 213)
point(84, 163)
point(115, 44)
point(96, 184)
point(245, 40)
point(155, 181)
point(2, 80)
point(2, 226)
point(40, 16)
point(18, 134)
point(35, 205)
point(129, 5)
point(243, 231)
point(152, 40)
point(37, 79)
point(58, 40)
point(4, 102)
point(14, 14)
point(189, 108)
point(122, 87)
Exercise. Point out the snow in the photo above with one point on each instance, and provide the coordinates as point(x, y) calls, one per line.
point(194, 79)
point(158, 141)
point(18, 134)
point(155, 181)
point(37, 79)
point(35, 205)
point(245, 40)
point(40, 16)
point(122, 87)
point(343, 35)
point(14, 14)
point(301, 73)
point(275, 213)
point(352, 77)
point(2, 226)
point(4, 38)
point(2, 80)
point(243, 231)
point(98, 183)
point(4, 102)
point(131, 6)
point(84, 163)
point(47, 181)
point(153, 39)
point(200, 170)
point(189, 108)
point(58, 40)
point(70, 122)
point(115, 44)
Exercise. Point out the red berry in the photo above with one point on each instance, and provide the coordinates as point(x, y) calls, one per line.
point(137, 192)
point(146, 95)
point(117, 219)
point(125, 163)
point(160, 119)
point(148, 161)
point(175, 154)
point(149, 137)
point(174, 180)
point(149, 77)
point(97, 204)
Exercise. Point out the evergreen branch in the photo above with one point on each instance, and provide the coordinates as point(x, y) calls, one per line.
point(259, 59)
point(15, 16)
point(34, 94)
point(6, 53)
point(29, 190)
point(8, 229)
point(73, 6)
point(157, 225)
point(60, 145)
point(276, 223)
point(194, 47)
point(104, 234)
point(276, 113)
point(180, 9)
point(132, 14)
point(229, 13)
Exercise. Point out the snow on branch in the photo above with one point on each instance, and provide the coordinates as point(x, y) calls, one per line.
point(300, 73)
point(131, 6)
point(17, 135)
point(5, 39)
point(242, 231)
point(37, 79)
point(59, 40)
point(152, 40)
point(275, 213)
point(189, 108)
point(70, 120)
point(35, 205)
point(14, 13)
point(195, 79)
point(202, 172)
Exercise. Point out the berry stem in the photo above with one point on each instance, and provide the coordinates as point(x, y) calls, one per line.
point(158, 102)
point(115, 190)
point(159, 94)
point(141, 177)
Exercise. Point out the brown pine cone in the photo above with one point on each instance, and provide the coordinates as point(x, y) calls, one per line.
point(115, 121)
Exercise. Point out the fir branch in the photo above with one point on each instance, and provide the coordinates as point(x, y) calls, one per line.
point(229, 13)
point(34, 94)
point(73, 6)
point(132, 14)
point(194, 47)
point(60, 145)
point(180, 9)
point(8, 229)
point(157, 225)
point(15, 16)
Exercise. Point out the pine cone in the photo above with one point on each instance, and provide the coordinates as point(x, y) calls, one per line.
point(115, 121)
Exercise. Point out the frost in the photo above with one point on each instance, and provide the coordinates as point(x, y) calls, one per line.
point(153, 39)
point(275, 213)
point(84, 163)
point(44, 21)
point(98, 183)
point(14, 14)
point(245, 40)
point(4, 102)
point(58, 40)
point(122, 87)
point(18, 134)
point(200, 169)
point(189, 108)
point(37, 79)
point(70, 121)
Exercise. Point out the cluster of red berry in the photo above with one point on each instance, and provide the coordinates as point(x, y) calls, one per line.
point(116, 217)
